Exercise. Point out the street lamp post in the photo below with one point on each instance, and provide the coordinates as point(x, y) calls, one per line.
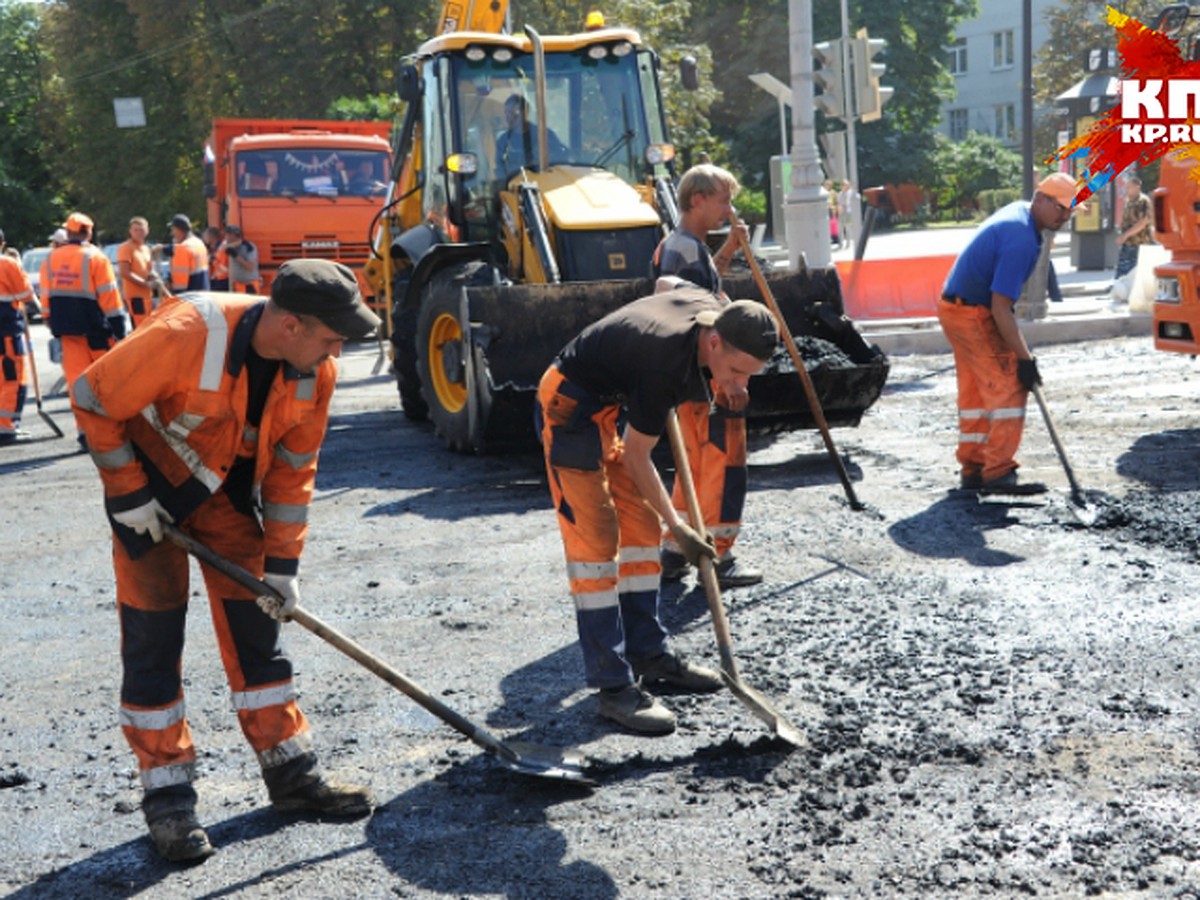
point(806, 206)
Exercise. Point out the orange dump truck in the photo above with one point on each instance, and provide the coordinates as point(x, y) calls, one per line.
point(298, 188)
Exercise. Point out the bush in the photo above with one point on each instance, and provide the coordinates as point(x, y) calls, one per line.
point(996, 198)
point(751, 206)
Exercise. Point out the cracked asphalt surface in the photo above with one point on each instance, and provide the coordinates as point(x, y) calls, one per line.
point(999, 700)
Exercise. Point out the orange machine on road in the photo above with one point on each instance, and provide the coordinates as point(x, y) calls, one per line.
point(299, 188)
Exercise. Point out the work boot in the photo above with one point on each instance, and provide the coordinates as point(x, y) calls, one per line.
point(674, 566)
point(732, 574)
point(174, 829)
point(299, 786)
point(636, 709)
point(672, 669)
point(1008, 483)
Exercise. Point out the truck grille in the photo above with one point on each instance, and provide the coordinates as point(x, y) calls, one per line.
point(352, 253)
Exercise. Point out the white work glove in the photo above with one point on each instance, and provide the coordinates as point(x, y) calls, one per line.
point(288, 589)
point(145, 519)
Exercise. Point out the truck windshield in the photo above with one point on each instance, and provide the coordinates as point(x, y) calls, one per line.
point(315, 171)
point(594, 113)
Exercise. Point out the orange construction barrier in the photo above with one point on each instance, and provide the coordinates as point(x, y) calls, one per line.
point(893, 288)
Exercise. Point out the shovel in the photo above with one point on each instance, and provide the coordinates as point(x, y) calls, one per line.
point(1084, 511)
point(528, 759)
point(37, 387)
point(756, 702)
point(814, 402)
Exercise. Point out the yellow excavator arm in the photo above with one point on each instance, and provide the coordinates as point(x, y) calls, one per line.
point(472, 15)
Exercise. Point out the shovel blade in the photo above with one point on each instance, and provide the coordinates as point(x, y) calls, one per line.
point(561, 764)
point(765, 710)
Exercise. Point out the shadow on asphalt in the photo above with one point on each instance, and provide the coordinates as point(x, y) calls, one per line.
point(956, 527)
point(1164, 460)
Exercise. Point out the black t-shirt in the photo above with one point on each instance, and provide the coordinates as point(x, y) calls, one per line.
point(260, 375)
point(644, 356)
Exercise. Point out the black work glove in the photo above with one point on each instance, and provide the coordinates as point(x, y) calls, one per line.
point(1027, 373)
point(693, 545)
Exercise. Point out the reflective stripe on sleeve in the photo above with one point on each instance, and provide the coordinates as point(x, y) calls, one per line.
point(295, 460)
point(287, 513)
point(114, 459)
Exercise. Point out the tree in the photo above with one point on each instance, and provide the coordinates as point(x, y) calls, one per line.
point(966, 168)
point(29, 208)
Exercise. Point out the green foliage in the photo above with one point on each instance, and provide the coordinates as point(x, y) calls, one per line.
point(964, 169)
point(751, 205)
point(993, 199)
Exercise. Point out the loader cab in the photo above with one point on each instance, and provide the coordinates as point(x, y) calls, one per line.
point(602, 108)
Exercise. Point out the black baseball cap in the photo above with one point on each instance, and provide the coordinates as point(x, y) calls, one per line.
point(233, 229)
point(181, 221)
point(745, 325)
point(327, 291)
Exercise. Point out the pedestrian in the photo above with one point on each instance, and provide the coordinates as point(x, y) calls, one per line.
point(244, 277)
point(714, 433)
point(995, 369)
point(218, 262)
point(848, 200)
point(58, 237)
point(135, 264)
point(189, 257)
point(601, 407)
point(81, 302)
point(222, 437)
point(15, 292)
point(1137, 227)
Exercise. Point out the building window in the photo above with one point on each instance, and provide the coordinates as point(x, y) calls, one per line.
point(1006, 123)
point(957, 62)
point(1002, 50)
point(958, 124)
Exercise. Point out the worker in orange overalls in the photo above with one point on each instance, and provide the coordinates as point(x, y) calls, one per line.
point(211, 416)
point(218, 262)
point(995, 369)
point(135, 265)
point(189, 257)
point(244, 277)
point(636, 364)
point(713, 432)
point(80, 299)
point(15, 292)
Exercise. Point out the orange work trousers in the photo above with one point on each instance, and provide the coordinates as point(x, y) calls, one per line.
point(12, 381)
point(715, 440)
point(77, 355)
point(610, 535)
point(152, 602)
point(991, 399)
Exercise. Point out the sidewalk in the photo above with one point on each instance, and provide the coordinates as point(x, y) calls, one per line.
point(1083, 315)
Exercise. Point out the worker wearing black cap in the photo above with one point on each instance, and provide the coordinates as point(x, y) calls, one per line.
point(189, 257)
point(211, 416)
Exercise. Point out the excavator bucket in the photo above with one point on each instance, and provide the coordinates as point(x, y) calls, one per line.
point(521, 328)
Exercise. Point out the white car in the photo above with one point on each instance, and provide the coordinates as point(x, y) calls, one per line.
point(31, 262)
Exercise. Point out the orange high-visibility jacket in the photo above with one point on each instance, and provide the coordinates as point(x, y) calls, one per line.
point(14, 291)
point(189, 265)
point(79, 292)
point(165, 416)
point(218, 264)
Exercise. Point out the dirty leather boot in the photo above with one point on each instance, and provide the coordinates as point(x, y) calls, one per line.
point(174, 829)
point(299, 786)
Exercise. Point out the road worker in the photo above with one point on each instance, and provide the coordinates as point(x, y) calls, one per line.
point(15, 292)
point(211, 416)
point(995, 369)
point(244, 277)
point(601, 407)
point(135, 264)
point(81, 302)
point(218, 262)
point(714, 433)
point(189, 257)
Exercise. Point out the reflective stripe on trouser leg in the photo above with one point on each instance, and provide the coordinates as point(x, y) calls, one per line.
point(716, 449)
point(258, 671)
point(76, 356)
point(12, 381)
point(991, 400)
point(152, 596)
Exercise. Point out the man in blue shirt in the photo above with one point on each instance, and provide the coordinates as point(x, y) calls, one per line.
point(995, 369)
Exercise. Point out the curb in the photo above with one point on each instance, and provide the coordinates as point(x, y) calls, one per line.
point(924, 336)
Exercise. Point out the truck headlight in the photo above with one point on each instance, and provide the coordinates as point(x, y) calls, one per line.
point(1168, 291)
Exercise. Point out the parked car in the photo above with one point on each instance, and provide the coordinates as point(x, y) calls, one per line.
point(31, 262)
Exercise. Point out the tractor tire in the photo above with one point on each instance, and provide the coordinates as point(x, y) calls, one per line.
point(457, 394)
point(404, 363)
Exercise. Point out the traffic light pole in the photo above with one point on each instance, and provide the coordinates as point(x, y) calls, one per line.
point(806, 206)
point(851, 138)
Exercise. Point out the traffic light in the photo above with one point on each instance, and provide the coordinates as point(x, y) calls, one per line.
point(869, 94)
point(834, 145)
point(832, 99)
